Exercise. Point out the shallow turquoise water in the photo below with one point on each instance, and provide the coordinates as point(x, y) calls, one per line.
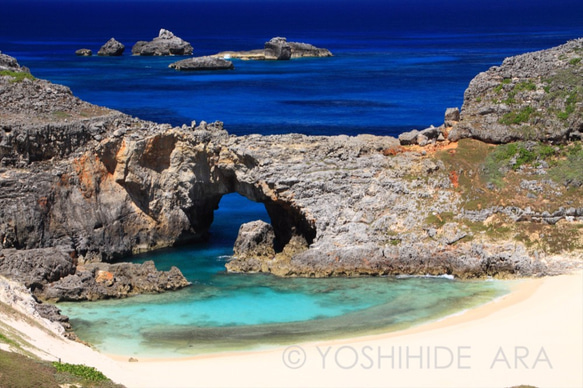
point(223, 311)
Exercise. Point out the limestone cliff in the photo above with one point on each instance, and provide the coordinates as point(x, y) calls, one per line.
point(98, 185)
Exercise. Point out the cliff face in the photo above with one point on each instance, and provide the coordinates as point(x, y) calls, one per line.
point(98, 185)
point(535, 96)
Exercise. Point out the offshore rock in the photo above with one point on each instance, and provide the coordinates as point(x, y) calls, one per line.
point(202, 63)
point(112, 48)
point(278, 48)
point(534, 96)
point(166, 43)
point(84, 52)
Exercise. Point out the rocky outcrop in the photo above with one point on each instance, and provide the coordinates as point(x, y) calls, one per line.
point(166, 43)
point(534, 96)
point(202, 63)
point(278, 48)
point(102, 280)
point(84, 52)
point(102, 186)
point(8, 63)
point(112, 48)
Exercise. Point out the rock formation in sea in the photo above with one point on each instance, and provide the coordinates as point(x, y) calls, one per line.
point(202, 63)
point(84, 52)
point(82, 186)
point(278, 48)
point(112, 48)
point(166, 43)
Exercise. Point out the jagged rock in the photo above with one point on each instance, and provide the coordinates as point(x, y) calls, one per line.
point(202, 63)
point(36, 267)
point(256, 239)
point(166, 43)
point(101, 280)
point(278, 48)
point(112, 48)
point(8, 63)
point(534, 96)
point(84, 52)
point(452, 117)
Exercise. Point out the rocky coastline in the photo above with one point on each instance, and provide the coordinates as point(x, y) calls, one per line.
point(83, 186)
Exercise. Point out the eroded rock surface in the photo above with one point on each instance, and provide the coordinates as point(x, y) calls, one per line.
point(100, 185)
point(202, 63)
point(534, 96)
point(112, 48)
point(166, 43)
point(278, 48)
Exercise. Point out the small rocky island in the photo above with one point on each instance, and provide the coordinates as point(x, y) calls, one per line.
point(278, 48)
point(203, 63)
point(166, 43)
point(497, 190)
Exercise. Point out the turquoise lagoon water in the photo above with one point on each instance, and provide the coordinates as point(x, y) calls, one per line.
point(224, 311)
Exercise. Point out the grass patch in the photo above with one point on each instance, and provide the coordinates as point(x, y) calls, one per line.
point(575, 61)
point(439, 219)
point(18, 76)
point(517, 117)
point(82, 371)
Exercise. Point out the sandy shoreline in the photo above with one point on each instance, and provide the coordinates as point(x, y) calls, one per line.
point(534, 335)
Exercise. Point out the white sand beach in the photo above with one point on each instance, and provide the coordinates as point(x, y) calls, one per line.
point(533, 335)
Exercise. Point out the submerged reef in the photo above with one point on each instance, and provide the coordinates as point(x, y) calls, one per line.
point(495, 191)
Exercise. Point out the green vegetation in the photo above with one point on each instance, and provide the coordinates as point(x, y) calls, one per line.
point(525, 85)
point(499, 88)
point(18, 76)
point(575, 61)
point(569, 106)
point(438, 220)
point(517, 117)
point(85, 372)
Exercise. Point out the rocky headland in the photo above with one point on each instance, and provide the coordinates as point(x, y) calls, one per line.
point(83, 186)
point(278, 48)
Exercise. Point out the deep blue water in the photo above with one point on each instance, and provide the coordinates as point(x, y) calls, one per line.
point(397, 65)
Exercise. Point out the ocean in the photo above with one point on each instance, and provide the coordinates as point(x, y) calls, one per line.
point(397, 66)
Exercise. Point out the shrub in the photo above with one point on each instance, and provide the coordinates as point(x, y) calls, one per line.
point(83, 371)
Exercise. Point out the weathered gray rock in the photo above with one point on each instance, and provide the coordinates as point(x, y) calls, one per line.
point(8, 63)
point(166, 43)
point(256, 239)
point(203, 63)
point(112, 48)
point(409, 138)
point(534, 96)
point(452, 117)
point(278, 48)
point(84, 52)
point(36, 267)
point(101, 280)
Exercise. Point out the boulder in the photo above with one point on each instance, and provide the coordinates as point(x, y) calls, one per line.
point(112, 48)
point(202, 63)
point(278, 48)
point(409, 138)
point(166, 43)
point(255, 239)
point(84, 52)
point(452, 117)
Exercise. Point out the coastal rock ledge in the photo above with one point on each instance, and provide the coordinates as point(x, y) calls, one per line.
point(89, 186)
